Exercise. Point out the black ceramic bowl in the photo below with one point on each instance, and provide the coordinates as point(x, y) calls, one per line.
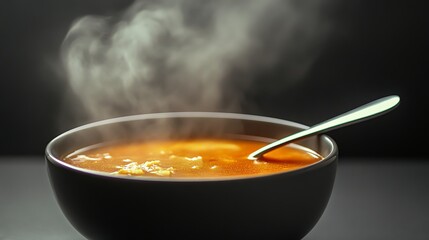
point(283, 205)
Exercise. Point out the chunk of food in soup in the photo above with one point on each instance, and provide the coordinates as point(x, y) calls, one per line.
point(191, 158)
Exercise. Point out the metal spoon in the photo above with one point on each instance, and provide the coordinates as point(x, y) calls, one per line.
point(367, 111)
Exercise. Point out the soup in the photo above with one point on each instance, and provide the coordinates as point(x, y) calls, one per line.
point(203, 157)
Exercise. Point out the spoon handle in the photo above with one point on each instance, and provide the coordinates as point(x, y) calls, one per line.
point(364, 112)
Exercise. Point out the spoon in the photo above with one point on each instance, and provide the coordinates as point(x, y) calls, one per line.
point(364, 112)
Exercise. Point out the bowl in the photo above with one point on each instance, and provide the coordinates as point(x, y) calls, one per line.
point(285, 205)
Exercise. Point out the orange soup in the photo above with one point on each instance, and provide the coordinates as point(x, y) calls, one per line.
point(191, 158)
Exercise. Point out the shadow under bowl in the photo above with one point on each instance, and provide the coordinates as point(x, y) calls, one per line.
point(284, 205)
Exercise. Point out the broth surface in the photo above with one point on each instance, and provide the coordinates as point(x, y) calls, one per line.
point(191, 158)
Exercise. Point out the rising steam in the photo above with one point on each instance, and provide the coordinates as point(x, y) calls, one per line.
point(187, 55)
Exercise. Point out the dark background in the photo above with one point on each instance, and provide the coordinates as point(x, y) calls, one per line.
point(379, 50)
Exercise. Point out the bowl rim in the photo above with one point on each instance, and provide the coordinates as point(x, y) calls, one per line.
point(49, 156)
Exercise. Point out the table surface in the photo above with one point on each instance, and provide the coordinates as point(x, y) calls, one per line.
point(372, 199)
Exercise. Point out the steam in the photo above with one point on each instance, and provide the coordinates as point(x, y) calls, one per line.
point(188, 55)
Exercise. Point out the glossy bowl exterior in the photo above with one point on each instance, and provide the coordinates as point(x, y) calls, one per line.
point(283, 205)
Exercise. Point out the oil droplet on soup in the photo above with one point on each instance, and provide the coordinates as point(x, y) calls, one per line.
point(191, 158)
